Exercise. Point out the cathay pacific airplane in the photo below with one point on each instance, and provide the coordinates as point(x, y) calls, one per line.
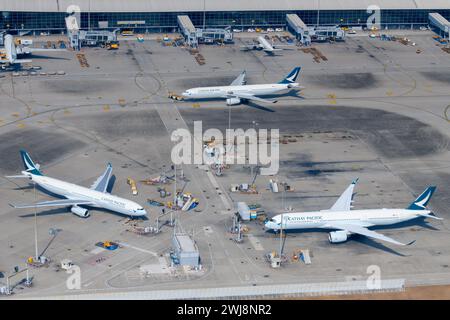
point(78, 197)
point(11, 51)
point(265, 46)
point(348, 222)
point(238, 91)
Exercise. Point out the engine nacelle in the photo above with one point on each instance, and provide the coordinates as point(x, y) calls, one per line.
point(81, 212)
point(338, 236)
point(233, 101)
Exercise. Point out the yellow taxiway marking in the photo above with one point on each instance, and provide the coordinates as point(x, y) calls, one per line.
point(67, 111)
point(106, 107)
point(15, 115)
point(332, 98)
point(21, 125)
point(196, 105)
point(389, 93)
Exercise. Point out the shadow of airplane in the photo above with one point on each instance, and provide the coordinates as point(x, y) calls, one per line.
point(38, 57)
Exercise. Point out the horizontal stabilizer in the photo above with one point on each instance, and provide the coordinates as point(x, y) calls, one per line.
point(430, 216)
point(20, 176)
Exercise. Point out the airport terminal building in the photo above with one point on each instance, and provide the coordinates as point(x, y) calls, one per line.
point(161, 15)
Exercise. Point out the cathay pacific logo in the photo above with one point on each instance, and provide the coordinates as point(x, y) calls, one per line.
point(292, 78)
point(422, 202)
point(27, 163)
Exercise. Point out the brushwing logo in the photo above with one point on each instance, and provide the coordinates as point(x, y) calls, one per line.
point(73, 282)
point(374, 280)
point(421, 203)
point(374, 20)
point(74, 12)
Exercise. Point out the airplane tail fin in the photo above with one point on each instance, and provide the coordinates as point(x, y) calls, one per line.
point(292, 76)
point(421, 202)
point(29, 165)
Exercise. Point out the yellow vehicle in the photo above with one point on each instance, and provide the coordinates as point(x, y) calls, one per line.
point(132, 184)
point(127, 32)
point(112, 45)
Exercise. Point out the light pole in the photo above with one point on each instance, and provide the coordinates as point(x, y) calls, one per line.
point(89, 15)
point(35, 226)
point(318, 11)
point(175, 186)
point(281, 236)
point(204, 14)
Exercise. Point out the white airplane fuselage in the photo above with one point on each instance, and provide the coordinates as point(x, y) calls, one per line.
point(364, 218)
point(98, 199)
point(225, 91)
point(265, 45)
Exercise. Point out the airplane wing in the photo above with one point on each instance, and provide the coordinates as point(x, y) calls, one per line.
point(16, 61)
point(272, 50)
point(250, 97)
point(364, 231)
point(28, 50)
point(344, 203)
point(240, 80)
point(101, 184)
point(53, 203)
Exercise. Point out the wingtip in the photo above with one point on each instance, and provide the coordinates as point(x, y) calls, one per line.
point(408, 244)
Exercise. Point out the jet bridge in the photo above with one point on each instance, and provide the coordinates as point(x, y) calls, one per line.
point(188, 30)
point(439, 24)
point(298, 28)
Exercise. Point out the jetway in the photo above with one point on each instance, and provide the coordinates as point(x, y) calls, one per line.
point(298, 28)
point(188, 30)
point(325, 33)
point(214, 35)
point(306, 34)
point(439, 24)
point(193, 36)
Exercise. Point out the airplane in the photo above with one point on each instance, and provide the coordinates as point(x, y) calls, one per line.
point(339, 217)
point(238, 91)
point(77, 197)
point(11, 52)
point(264, 45)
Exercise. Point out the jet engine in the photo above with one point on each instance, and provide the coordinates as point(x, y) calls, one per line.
point(233, 101)
point(338, 236)
point(81, 212)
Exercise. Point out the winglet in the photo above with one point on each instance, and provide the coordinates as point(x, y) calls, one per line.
point(355, 181)
point(408, 244)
